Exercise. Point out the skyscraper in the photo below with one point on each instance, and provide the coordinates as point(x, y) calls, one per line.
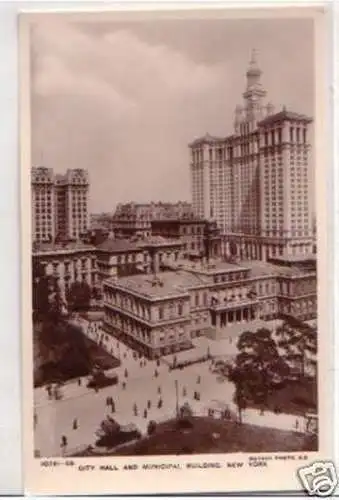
point(255, 183)
point(59, 204)
point(42, 193)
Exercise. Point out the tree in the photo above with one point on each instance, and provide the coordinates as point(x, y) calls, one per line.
point(64, 352)
point(79, 296)
point(47, 297)
point(298, 344)
point(238, 377)
point(257, 367)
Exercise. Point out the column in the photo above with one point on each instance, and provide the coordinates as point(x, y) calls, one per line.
point(217, 320)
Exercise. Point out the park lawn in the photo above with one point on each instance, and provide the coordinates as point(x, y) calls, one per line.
point(209, 435)
point(295, 398)
point(101, 358)
point(66, 354)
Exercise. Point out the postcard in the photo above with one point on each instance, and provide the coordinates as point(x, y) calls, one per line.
point(175, 276)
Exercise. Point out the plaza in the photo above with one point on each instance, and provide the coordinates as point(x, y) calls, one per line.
point(147, 381)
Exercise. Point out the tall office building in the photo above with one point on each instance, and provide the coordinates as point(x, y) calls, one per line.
point(42, 193)
point(255, 183)
point(59, 204)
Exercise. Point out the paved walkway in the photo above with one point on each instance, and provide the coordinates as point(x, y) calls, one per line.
point(55, 418)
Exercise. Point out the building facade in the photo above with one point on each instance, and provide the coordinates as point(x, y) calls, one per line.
point(148, 314)
point(199, 237)
point(255, 183)
point(43, 204)
point(67, 263)
point(132, 219)
point(164, 314)
point(189, 230)
point(59, 204)
point(70, 262)
point(118, 258)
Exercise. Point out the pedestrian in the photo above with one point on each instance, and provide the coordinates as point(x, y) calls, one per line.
point(135, 409)
point(156, 373)
point(159, 390)
point(75, 424)
point(113, 407)
point(160, 403)
point(149, 404)
point(198, 379)
point(124, 385)
point(145, 413)
point(63, 441)
point(79, 382)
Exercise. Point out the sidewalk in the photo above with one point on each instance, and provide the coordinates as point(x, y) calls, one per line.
point(89, 408)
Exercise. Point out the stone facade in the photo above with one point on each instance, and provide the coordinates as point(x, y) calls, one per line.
point(255, 183)
point(212, 297)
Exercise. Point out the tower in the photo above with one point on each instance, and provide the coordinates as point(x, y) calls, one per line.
point(42, 180)
point(254, 93)
point(255, 182)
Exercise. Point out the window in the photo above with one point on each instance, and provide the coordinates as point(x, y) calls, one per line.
point(197, 299)
point(161, 313)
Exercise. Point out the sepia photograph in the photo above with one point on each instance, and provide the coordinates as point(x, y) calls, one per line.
point(173, 236)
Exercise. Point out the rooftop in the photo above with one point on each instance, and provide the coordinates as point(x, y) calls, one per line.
point(117, 245)
point(285, 115)
point(165, 284)
point(259, 268)
point(214, 266)
point(159, 241)
point(60, 247)
point(152, 287)
point(296, 258)
point(206, 139)
point(184, 219)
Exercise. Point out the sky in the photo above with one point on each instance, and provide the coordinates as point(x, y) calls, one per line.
point(124, 99)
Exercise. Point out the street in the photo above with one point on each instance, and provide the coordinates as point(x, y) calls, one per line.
point(143, 389)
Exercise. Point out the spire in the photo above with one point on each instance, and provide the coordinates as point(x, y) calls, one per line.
point(254, 92)
point(253, 70)
point(254, 56)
